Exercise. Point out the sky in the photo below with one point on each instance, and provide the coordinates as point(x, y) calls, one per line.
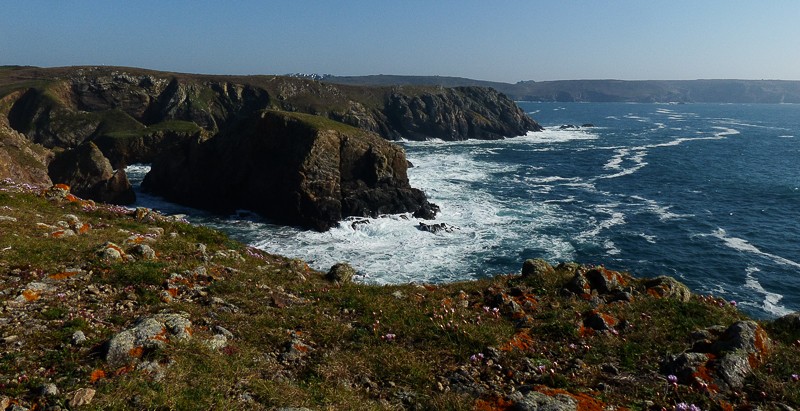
point(498, 40)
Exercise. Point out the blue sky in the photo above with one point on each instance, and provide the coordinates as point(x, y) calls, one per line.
point(490, 40)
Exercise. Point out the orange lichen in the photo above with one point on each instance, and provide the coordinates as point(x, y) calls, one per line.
point(703, 374)
point(493, 404)
point(655, 292)
point(521, 341)
point(30, 295)
point(97, 375)
point(61, 187)
point(84, 228)
point(611, 321)
point(62, 275)
point(161, 336)
point(136, 352)
point(71, 198)
point(58, 234)
point(172, 291)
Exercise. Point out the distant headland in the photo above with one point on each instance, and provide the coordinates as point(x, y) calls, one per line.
point(638, 91)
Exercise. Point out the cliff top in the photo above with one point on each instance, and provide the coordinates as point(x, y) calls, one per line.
point(105, 307)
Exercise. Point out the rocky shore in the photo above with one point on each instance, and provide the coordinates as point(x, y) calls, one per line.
point(105, 307)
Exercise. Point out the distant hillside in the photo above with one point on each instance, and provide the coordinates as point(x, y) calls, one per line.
point(647, 91)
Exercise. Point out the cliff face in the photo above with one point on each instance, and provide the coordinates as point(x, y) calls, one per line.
point(72, 105)
point(102, 116)
point(294, 168)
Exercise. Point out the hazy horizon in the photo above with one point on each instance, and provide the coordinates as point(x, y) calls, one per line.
point(507, 42)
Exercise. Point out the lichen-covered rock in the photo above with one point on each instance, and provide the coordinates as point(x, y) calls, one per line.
point(147, 334)
point(599, 284)
point(111, 252)
point(667, 287)
point(599, 321)
point(142, 251)
point(537, 401)
point(721, 360)
point(341, 273)
point(81, 397)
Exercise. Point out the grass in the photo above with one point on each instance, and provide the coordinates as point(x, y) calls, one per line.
point(346, 358)
point(176, 126)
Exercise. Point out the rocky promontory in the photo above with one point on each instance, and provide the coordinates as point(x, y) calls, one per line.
point(295, 168)
point(91, 118)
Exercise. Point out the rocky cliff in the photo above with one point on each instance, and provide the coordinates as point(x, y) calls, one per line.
point(105, 118)
point(296, 168)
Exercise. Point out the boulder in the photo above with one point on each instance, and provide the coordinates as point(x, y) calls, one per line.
point(721, 360)
point(601, 281)
point(539, 273)
point(147, 334)
point(89, 174)
point(341, 273)
point(530, 400)
point(667, 287)
point(537, 268)
point(294, 168)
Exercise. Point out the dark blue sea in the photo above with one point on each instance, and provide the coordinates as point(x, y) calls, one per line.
point(707, 193)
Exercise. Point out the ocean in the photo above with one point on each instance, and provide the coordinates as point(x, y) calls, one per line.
point(707, 193)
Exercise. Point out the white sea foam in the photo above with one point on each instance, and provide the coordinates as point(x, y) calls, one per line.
point(392, 249)
point(611, 248)
point(596, 227)
point(636, 155)
point(649, 238)
point(615, 161)
point(743, 245)
point(771, 302)
point(637, 118)
point(661, 211)
point(553, 135)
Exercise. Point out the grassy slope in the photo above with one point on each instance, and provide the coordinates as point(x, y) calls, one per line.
point(344, 356)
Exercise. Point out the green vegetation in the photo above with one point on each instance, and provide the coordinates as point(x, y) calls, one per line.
point(176, 126)
point(298, 340)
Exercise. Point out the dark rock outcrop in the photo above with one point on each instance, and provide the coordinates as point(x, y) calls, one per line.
point(297, 169)
point(721, 359)
point(90, 175)
point(436, 228)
